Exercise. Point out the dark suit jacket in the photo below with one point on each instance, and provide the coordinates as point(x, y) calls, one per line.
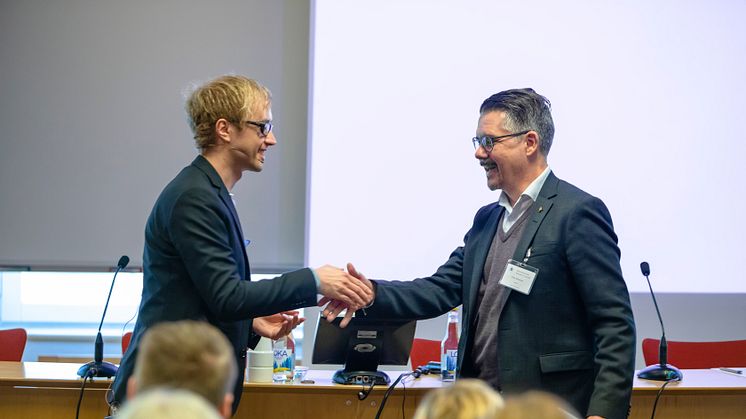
point(574, 334)
point(195, 267)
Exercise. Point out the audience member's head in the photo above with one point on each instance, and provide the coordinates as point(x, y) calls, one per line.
point(536, 405)
point(187, 355)
point(168, 404)
point(465, 399)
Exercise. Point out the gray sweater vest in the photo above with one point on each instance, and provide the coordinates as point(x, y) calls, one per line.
point(491, 300)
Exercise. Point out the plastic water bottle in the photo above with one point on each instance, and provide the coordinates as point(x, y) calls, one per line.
point(283, 350)
point(449, 348)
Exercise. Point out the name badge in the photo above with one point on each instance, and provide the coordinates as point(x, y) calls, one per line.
point(519, 276)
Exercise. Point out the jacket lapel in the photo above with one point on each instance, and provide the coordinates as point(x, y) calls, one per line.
point(202, 164)
point(481, 246)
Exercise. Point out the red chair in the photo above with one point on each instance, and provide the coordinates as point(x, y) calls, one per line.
point(12, 344)
point(698, 355)
point(126, 342)
point(424, 351)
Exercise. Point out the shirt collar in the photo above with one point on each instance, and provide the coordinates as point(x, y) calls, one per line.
point(531, 192)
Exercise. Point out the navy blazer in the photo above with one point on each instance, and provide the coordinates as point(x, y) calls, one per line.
point(195, 267)
point(574, 334)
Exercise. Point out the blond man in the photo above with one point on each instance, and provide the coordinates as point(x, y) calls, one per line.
point(195, 264)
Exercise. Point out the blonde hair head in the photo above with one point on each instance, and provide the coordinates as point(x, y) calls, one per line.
point(536, 404)
point(233, 98)
point(465, 399)
point(189, 355)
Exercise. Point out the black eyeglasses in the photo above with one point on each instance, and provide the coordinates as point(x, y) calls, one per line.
point(487, 142)
point(264, 127)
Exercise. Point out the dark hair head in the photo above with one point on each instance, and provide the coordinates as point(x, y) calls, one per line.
point(524, 110)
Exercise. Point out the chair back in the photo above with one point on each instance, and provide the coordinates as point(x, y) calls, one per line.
point(424, 351)
point(126, 338)
point(12, 344)
point(698, 355)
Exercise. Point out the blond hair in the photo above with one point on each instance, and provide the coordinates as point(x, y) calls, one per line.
point(233, 98)
point(186, 354)
point(168, 404)
point(536, 404)
point(465, 399)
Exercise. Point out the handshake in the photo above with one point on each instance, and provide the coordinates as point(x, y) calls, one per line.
point(342, 290)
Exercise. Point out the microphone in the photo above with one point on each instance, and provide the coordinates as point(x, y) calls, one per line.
point(98, 367)
point(663, 371)
point(645, 268)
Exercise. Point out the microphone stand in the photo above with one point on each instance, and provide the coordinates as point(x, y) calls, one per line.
point(663, 371)
point(98, 367)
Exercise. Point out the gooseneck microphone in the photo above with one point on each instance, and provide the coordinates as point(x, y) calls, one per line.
point(98, 367)
point(663, 371)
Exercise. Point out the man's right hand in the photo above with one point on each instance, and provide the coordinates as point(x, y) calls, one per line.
point(332, 307)
point(336, 284)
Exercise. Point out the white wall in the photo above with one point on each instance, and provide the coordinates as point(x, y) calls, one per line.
point(646, 101)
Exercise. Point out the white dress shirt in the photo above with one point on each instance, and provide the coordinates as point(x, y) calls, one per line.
point(524, 202)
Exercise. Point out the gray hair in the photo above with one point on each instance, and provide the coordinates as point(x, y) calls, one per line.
point(524, 110)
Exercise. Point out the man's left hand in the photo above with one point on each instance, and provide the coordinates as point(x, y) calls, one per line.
point(277, 325)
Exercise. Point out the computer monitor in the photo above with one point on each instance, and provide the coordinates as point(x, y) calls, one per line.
point(362, 346)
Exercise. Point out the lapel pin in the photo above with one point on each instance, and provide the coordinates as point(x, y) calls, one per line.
point(541, 209)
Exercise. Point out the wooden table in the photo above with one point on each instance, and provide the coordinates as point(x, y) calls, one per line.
point(37, 390)
point(701, 394)
point(325, 399)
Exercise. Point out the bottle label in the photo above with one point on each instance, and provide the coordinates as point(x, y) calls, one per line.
point(283, 360)
point(448, 364)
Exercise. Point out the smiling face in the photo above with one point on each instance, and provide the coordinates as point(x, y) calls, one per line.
point(505, 164)
point(514, 162)
point(247, 145)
